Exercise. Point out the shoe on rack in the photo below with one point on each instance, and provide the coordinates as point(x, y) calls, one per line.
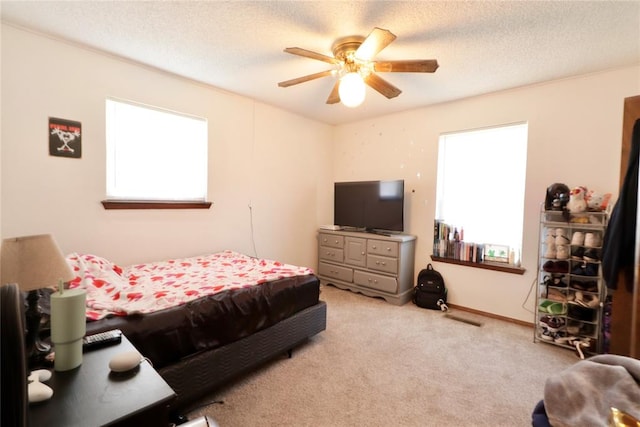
point(587, 329)
point(577, 239)
point(557, 295)
point(559, 267)
point(586, 300)
point(592, 240)
point(550, 251)
point(549, 266)
point(552, 307)
point(543, 306)
point(559, 335)
point(552, 323)
point(573, 328)
point(579, 312)
point(554, 281)
point(549, 235)
point(592, 254)
point(562, 267)
point(579, 269)
point(562, 251)
point(577, 253)
point(561, 237)
point(558, 281)
point(587, 285)
point(546, 335)
point(590, 286)
point(557, 308)
point(591, 269)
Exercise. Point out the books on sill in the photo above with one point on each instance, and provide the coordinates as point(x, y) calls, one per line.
point(463, 251)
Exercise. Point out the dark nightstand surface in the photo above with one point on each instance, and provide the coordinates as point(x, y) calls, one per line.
point(91, 395)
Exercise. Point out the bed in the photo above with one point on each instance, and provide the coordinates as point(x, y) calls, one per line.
point(202, 321)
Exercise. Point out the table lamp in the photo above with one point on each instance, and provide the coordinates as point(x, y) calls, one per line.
point(33, 262)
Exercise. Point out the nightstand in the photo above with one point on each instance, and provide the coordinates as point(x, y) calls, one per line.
point(91, 395)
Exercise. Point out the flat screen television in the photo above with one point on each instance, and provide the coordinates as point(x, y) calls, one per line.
point(369, 205)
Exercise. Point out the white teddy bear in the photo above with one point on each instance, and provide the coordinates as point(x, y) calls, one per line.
point(577, 202)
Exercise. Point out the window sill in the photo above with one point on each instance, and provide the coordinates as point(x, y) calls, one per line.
point(496, 266)
point(153, 204)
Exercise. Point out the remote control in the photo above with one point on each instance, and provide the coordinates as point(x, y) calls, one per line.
point(101, 339)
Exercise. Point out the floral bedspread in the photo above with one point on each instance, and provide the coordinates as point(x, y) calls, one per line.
point(145, 288)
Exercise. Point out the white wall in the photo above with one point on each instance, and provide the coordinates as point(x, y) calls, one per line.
point(575, 133)
point(274, 161)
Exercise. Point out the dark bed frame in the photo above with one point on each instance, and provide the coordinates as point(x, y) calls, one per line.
point(195, 376)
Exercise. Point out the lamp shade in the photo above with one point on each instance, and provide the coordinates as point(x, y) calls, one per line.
point(33, 262)
point(351, 89)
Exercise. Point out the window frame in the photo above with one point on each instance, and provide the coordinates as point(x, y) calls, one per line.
point(125, 202)
point(491, 265)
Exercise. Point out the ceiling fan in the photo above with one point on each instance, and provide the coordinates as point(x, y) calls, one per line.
point(353, 58)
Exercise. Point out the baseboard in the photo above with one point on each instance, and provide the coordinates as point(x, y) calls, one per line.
point(491, 315)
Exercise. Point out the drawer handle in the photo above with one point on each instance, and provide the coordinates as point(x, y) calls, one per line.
point(388, 249)
point(381, 263)
point(337, 241)
point(374, 247)
point(361, 253)
point(372, 280)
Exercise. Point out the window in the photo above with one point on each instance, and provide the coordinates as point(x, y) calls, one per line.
point(154, 154)
point(481, 179)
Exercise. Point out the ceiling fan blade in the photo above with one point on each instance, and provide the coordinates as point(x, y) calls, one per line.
point(313, 55)
point(334, 96)
point(410, 66)
point(377, 40)
point(303, 79)
point(382, 86)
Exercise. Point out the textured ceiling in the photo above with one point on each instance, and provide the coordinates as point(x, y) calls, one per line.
point(238, 45)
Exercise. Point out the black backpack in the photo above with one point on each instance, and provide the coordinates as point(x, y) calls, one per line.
point(430, 291)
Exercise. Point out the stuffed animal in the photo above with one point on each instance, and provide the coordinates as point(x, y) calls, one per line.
point(556, 197)
point(597, 202)
point(577, 202)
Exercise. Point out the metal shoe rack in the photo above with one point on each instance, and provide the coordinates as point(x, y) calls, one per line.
point(570, 291)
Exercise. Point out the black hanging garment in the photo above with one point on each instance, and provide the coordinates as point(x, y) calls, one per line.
point(618, 245)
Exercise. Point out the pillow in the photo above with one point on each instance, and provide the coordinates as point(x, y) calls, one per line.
point(93, 271)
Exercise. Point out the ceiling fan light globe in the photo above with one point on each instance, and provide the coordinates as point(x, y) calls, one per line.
point(351, 90)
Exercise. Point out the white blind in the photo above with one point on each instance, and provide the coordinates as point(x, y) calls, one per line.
point(154, 154)
point(481, 179)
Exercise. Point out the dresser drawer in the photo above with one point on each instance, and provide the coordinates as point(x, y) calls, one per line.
point(334, 271)
point(376, 281)
point(355, 251)
point(382, 263)
point(331, 254)
point(331, 240)
point(381, 247)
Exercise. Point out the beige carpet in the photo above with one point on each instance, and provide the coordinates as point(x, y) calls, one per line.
point(382, 365)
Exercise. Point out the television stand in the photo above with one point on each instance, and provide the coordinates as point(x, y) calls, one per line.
point(375, 263)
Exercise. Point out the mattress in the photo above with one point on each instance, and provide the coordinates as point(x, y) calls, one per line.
point(172, 334)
